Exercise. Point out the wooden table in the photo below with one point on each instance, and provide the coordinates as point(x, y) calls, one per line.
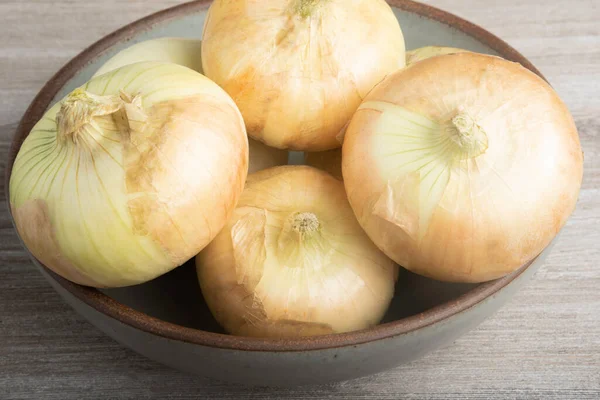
point(545, 344)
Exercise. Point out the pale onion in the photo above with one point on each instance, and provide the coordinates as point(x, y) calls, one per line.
point(422, 53)
point(187, 52)
point(462, 167)
point(130, 175)
point(293, 261)
point(182, 51)
point(329, 161)
point(298, 69)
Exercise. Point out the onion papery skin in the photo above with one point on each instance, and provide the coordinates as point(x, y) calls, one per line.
point(462, 167)
point(130, 175)
point(298, 69)
point(187, 52)
point(293, 261)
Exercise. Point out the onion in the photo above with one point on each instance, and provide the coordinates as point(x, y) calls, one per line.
point(293, 261)
point(187, 52)
point(423, 53)
point(182, 51)
point(130, 175)
point(462, 167)
point(299, 69)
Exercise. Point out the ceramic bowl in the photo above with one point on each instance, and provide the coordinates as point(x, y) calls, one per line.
point(167, 319)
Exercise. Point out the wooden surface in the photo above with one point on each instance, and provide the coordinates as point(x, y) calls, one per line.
point(545, 344)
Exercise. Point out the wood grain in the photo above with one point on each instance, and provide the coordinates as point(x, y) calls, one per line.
point(545, 344)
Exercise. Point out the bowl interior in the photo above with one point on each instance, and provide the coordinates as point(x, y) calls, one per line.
point(176, 297)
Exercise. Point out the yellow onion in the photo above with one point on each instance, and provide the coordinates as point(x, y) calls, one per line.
point(187, 52)
point(293, 261)
point(422, 53)
point(462, 167)
point(298, 69)
point(129, 175)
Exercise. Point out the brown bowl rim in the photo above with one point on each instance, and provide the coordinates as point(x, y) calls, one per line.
point(138, 320)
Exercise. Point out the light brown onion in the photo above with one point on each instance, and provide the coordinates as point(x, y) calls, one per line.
point(298, 69)
point(293, 261)
point(462, 167)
